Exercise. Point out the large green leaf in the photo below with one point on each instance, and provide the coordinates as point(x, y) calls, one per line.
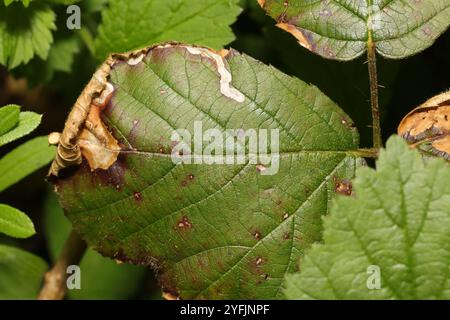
point(102, 278)
point(132, 24)
point(24, 160)
point(15, 223)
point(397, 228)
point(342, 29)
point(21, 273)
point(215, 231)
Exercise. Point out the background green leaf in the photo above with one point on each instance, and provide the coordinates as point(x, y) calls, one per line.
point(341, 29)
point(25, 32)
point(24, 160)
point(21, 273)
point(26, 3)
point(398, 221)
point(213, 231)
point(15, 223)
point(9, 116)
point(28, 121)
point(102, 278)
point(133, 24)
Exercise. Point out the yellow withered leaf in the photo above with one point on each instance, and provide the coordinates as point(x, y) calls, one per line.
point(428, 126)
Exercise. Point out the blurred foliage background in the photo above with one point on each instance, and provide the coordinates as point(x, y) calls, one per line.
point(51, 86)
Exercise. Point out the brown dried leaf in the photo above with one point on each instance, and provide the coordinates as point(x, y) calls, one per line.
point(428, 126)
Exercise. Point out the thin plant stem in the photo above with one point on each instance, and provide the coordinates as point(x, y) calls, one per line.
point(373, 78)
point(55, 286)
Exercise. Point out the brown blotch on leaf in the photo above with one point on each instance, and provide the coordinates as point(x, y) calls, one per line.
point(429, 125)
point(286, 236)
point(304, 39)
point(114, 175)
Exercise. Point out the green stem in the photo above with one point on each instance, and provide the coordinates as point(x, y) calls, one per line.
point(373, 78)
point(366, 153)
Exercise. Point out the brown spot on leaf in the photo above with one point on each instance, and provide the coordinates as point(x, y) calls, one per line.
point(259, 261)
point(256, 235)
point(137, 196)
point(286, 236)
point(256, 264)
point(190, 177)
point(260, 168)
point(343, 187)
point(202, 264)
point(427, 31)
point(184, 223)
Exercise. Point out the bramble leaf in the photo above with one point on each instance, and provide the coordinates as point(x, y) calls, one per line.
point(15, 223)
point(28, 121)
point(211, 230)
point(61, 55)
point(390, 241)
point(21, 273)
point(103, 278)
point(9, 117)
point(24, 160)
point(341, 29)
point(133, 24)
point(24, 33)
